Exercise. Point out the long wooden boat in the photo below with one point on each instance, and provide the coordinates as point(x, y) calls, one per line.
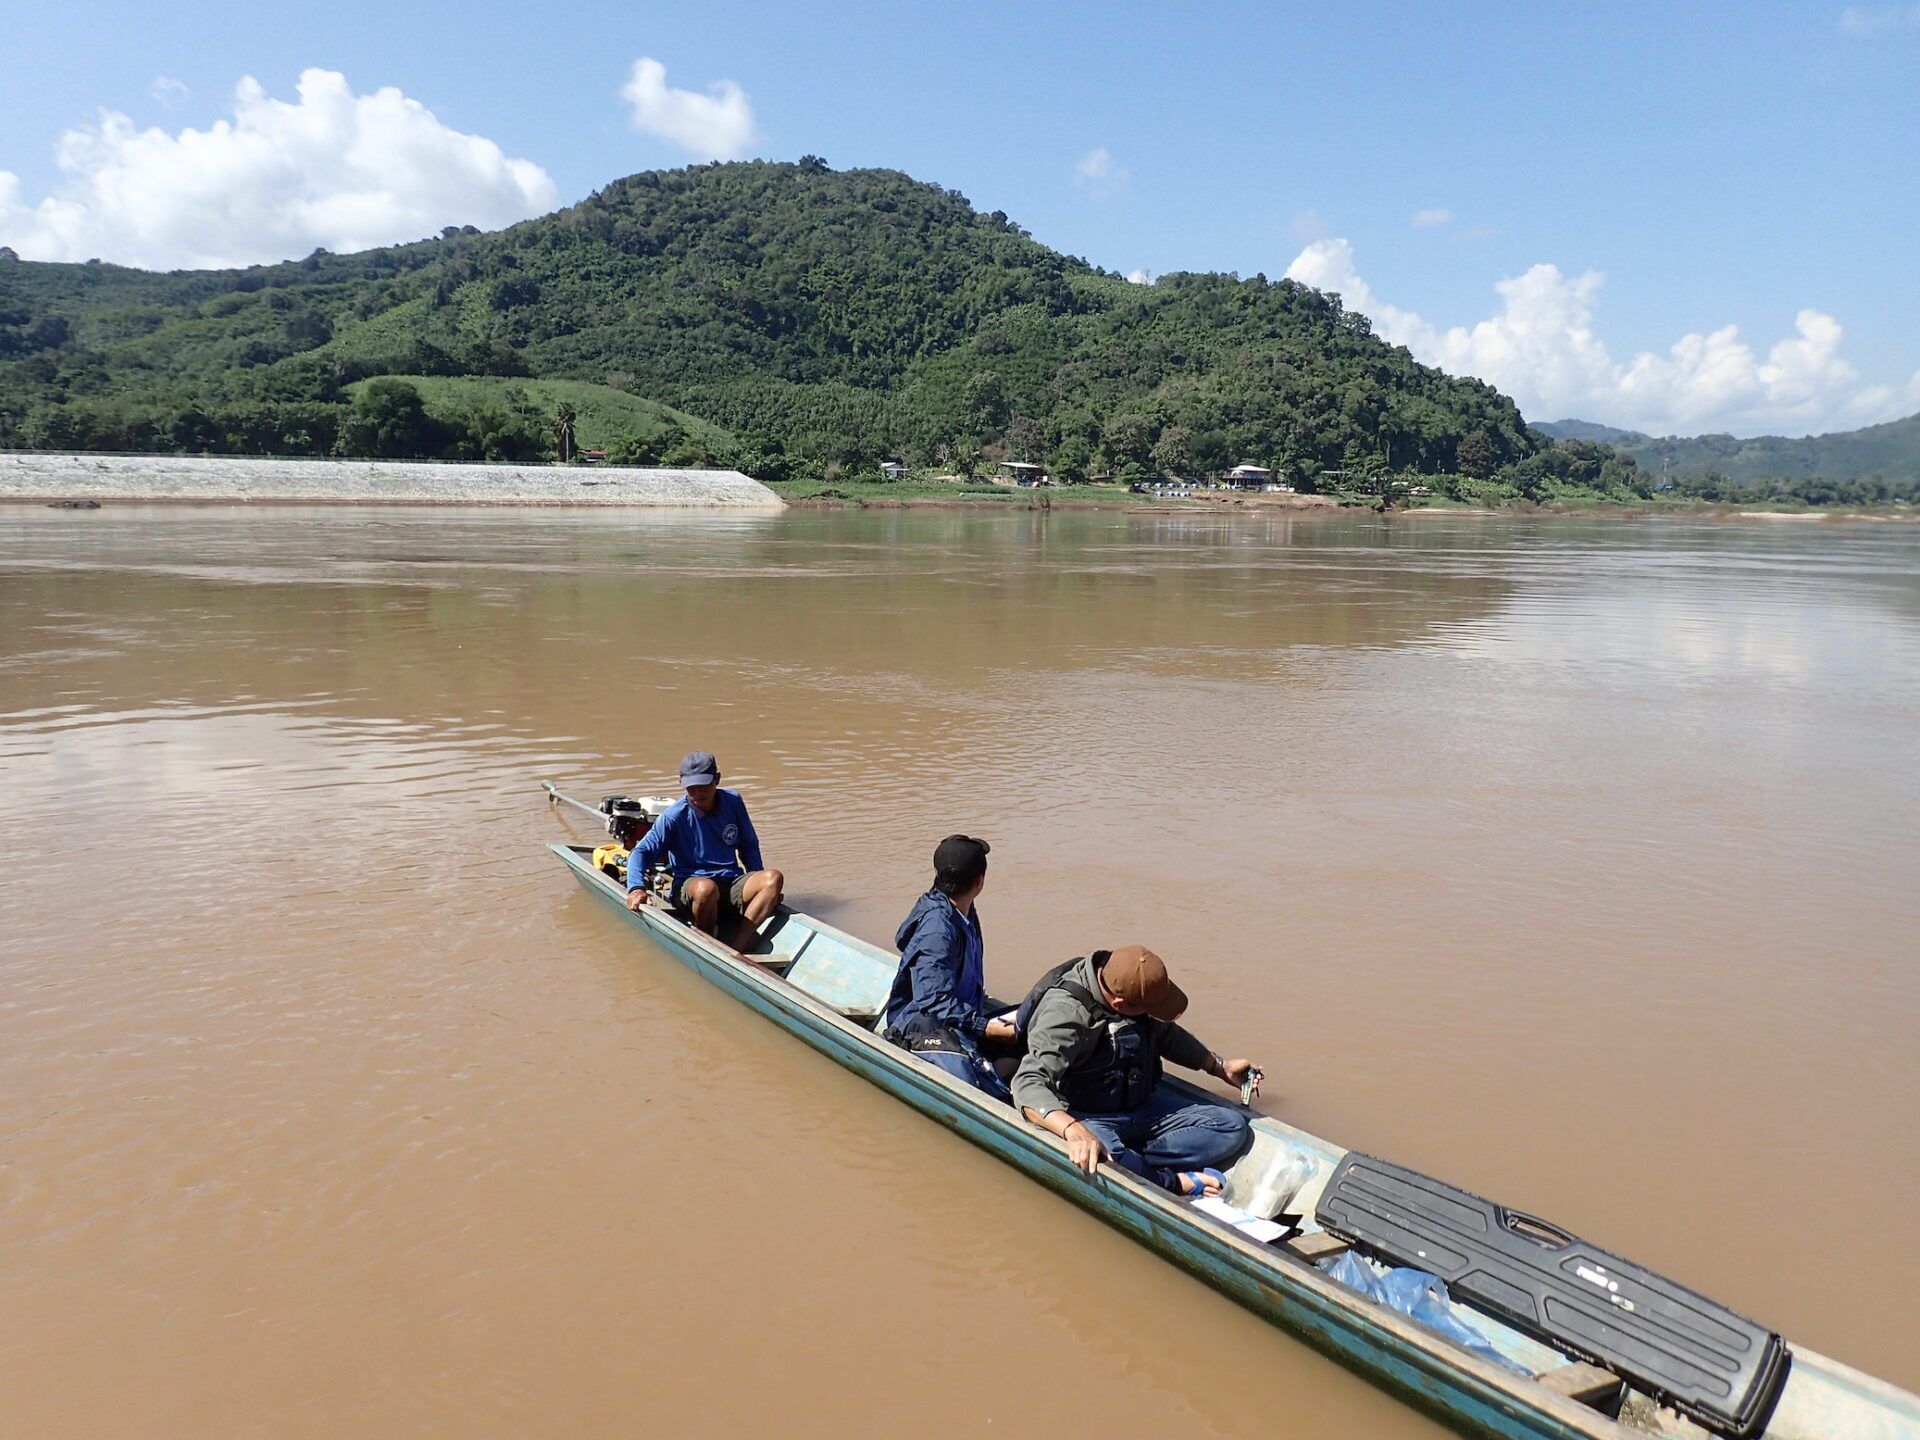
point(827, 988)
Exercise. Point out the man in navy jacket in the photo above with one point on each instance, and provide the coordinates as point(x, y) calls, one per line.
point(938, 1007)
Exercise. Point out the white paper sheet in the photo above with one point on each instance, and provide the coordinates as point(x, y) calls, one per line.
point(1254, 1228)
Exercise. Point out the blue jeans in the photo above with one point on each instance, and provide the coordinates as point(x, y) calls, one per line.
point(1168, 1135)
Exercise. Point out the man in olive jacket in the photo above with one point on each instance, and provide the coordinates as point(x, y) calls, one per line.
point(1096, 1035)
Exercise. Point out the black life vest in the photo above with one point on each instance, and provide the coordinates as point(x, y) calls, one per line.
point(1124, 1066)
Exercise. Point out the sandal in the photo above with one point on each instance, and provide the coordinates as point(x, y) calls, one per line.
point(1198, 1179)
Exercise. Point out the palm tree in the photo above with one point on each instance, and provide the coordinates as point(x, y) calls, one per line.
point(563, 417)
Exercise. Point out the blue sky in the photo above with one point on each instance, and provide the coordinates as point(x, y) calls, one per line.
point(1635, 174)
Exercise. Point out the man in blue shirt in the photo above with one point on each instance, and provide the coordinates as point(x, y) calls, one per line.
point(938, 1007)
point(709, 844)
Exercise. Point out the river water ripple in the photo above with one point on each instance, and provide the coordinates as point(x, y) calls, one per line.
point(1572, 860)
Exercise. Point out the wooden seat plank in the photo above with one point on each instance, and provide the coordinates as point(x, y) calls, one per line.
point(1317, 1245)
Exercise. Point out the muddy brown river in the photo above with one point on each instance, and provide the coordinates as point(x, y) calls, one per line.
point(1575, 861)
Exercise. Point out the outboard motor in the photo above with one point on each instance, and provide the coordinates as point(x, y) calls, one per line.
point(627, 819)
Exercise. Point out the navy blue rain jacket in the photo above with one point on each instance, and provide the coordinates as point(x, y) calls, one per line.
point(940, 980)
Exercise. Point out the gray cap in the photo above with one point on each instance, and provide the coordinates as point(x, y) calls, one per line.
point(699, 768)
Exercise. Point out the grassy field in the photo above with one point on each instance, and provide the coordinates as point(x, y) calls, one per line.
point(605, 415)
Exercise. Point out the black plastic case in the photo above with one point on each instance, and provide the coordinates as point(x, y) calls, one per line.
point(1717, 1367)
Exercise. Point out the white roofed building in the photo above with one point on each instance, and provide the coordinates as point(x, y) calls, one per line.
point(1021, 473)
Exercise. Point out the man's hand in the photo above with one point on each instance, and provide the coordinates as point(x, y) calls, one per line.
point(1235, 1072)
point(1000, 1030)
point(1084, 1147)
point(637, 898)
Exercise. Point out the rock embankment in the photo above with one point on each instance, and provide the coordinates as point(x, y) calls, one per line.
point(237, 480)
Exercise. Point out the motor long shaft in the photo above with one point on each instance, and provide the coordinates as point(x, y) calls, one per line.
point(553, 794)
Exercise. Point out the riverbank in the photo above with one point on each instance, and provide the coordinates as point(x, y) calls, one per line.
point(84, 481)
point(177, 479)
point(955, 494)
point(922, 496)
point(949, 494)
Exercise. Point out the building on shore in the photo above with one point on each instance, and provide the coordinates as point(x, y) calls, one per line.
point(1257, 477)
point(1019, 472)
point(892, 470)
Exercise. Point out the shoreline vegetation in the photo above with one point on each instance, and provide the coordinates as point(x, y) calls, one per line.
point(957, 492)
point(85, 481)
point(809, 328)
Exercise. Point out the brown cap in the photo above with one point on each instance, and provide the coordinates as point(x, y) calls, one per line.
point(1135, 973)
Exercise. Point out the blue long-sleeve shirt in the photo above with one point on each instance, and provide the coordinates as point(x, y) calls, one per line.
point(690, 843)
point(941, 980)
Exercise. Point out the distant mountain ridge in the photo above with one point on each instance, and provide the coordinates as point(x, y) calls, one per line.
point(1589, 431)
point(1886, 452)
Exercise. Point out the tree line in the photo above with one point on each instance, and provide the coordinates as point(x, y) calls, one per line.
point(819, 321)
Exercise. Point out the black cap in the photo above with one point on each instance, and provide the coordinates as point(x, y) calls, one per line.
point(958, 861)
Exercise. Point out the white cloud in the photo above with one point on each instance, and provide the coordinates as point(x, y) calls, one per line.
point(1328, 265)
point(1541, 347)
point(1872, 19)
point(1100, 175)
point(169, 91)
point(1881, 402)
point(1426, 219)
point(1139, 277)
point(334, 169)
point(715, 126)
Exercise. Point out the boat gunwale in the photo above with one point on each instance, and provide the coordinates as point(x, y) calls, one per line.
point(1272, 1269)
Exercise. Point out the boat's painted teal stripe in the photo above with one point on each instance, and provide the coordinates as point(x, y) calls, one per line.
point(1457, 1395)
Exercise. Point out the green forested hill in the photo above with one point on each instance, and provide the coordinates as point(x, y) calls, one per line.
point(799, 319)
point(1887, 452)
point(1724, 463)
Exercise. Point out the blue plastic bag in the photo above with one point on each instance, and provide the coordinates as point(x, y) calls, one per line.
point(1420, 1295)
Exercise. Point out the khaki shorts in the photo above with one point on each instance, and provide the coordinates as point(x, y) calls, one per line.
point(733, 893)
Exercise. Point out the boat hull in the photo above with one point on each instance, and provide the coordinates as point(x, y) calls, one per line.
point(1467, 1393)
point(1823, 1399)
